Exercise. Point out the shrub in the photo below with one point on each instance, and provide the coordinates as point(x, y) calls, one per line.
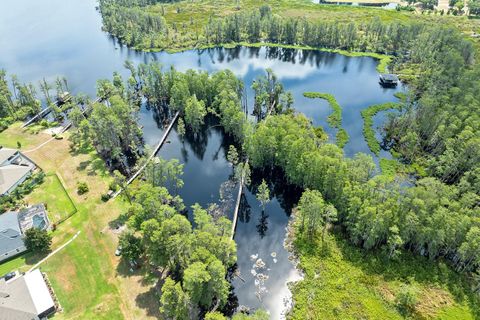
point(38, 240)
point(105, 197)
point(407, 298)
point(82, 188)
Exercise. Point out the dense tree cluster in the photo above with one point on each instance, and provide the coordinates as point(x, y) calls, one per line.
point(16, 105)
point(131, 23)
point(111, 124)
point(440, 128)
point(193, 93)
point(431, 218)
point(193, 261)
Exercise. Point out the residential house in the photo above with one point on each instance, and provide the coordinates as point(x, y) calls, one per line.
point(15, 168)
point(13, 226)
point(27, 297)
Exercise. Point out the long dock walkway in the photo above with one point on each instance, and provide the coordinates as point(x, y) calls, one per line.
point(155, 151)
point(237, 205)
point(40, 115)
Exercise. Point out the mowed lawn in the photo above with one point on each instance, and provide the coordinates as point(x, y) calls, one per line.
point(15, 134)
point(85, 275)
point(52, 193)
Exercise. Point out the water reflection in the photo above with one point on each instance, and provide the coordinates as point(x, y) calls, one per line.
point(64, 38)
point(264, 267)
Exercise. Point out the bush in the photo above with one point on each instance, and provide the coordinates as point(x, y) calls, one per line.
point(105, 197)
point(37, 240)
point(407, 298)
point(82, 188)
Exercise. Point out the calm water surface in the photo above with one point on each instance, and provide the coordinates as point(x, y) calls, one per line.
point(63, 38)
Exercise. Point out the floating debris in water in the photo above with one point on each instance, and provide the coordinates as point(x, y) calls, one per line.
point(254, 257)
point(253, 272)
point(259, 264)
point(273, 254)
point(274, 260)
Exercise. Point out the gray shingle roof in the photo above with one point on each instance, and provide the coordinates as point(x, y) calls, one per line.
point(10, 234)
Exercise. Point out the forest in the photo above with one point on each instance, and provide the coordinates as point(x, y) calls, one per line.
point(435, 213)
point(437, 129)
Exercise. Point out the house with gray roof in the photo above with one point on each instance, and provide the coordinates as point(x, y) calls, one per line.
point(27, 297)
point(13, 226)
point(11, 237)
point(15, 168)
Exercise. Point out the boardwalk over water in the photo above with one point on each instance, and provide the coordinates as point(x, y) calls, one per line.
point(155, 151)
point(237, 205)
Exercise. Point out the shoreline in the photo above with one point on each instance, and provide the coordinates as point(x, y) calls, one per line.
point(383, 59)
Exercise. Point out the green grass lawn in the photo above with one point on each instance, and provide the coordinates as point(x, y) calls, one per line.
point(343, 282)
point(53, 194)
point(15, 134)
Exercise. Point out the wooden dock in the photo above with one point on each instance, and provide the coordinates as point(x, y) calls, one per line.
point(47, 110)
point(69, 123)
point(155, 151)
point(237, 205)
point(39, 115)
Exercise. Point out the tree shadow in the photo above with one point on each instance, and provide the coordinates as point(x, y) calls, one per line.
point(150, 302)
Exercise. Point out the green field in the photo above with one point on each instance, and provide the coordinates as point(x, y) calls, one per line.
point(187, 19)
point(343, 282)
point(53, 194)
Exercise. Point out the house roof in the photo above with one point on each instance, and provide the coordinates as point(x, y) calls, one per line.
point(389, 77)
point(10, 175)
point(10, 234)
point(6, 153)
point(25, 297)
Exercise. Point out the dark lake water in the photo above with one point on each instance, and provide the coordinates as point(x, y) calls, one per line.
point(63, 38)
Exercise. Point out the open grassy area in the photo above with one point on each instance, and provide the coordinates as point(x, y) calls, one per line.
point(54, 195)
point(343, 282)
point(86, 276)
point(14, 134)
point(190, 17)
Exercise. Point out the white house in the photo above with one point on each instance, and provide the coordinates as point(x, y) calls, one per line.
point(15, 167)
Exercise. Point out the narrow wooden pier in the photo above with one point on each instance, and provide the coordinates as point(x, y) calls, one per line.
point(69, 124)
point(155, 151)
point(40, 115)
point(47, 110)
point(237, 205)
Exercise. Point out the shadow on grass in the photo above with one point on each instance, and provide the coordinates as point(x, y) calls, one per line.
point(149, 300)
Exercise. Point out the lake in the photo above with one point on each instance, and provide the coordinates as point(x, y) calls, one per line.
point(64, 38)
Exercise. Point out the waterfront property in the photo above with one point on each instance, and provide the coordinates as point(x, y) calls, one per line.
point(26, 297)
point(15, 168)
point(13, 226)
